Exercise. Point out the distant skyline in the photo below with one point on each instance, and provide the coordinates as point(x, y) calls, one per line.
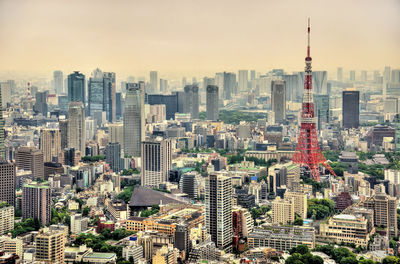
point(196, 38)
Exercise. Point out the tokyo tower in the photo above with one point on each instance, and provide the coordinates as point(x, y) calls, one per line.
point(308, 152)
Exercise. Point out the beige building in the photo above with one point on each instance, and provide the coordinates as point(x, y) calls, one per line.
point(76, 126)
point(116, 131)
point(166, 255)
point(50, 246)
point(6, 218)
point(11, 245)
point(300, 202)
point(282, 211)
point(347, 228)
point(50, 144)
point(30, 158)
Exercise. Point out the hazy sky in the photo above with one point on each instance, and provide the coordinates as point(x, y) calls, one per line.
point(196, 37)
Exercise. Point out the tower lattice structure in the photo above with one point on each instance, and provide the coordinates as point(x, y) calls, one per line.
point(308, 152)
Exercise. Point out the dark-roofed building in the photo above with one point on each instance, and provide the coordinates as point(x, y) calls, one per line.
point(143, 197)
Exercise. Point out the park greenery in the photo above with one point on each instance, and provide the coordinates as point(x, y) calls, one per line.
point(60, 216)
point(235, 116)
point(302, 255)
point(126, 194)
point(341, 255)
point(93, 158)
point(126, 172)
point(317, 186)
point(298, 221)
point(25, 226)
point(320, 208)
point(148, 212)
point(258, 211)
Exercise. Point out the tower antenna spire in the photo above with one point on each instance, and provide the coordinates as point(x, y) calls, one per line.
point(308, 34)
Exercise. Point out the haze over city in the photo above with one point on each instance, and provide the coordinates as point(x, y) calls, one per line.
point(195, 38)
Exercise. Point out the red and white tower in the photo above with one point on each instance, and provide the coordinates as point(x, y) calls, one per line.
point(308, 152)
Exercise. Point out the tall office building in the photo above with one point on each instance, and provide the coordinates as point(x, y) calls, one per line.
point(63, 125)
point(252, 75)
point(350, 109)
point(154, 81)
point(116, 131)
point(395, 76)
point(174, 103)
point(340, 74)
point(364, 76)
point(278, 100)
point(218, 205)
point(50, 144)
point(163, 85)
point(134, 119)
point(50, 246)
point(7, 182)
point(76, 127)
point(58, 81)
point(352, 75)
point(2, 149)
point(321, 104)
point(212, 102)
point(191, 103)
point(76, 87)
point(229, 85)
point(30, 158)
point(156, 161)
point(243, 80)
point(40, 106)
point(95, 92)
point(320, 79)
point(118, 105)
point(36, 201)
point(109, 103)
point(292, 86)
point(386, 74)
point(113, 156)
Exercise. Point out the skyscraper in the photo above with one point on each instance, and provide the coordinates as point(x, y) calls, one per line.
point(156, 161)
point(163, 85)
point(292, 86)
point(191, 103)
point(50, 144)
point(58, 80)
point(76, 127)
point(109, 104)
point(243, 80)
point(118, 105)
point(30, 158)
point(218, 205)
point(212, 102)
point(340, 74)
point(352, 75)
point(154, 81)
point(7, 182)
point(36, 201)
point(2, 149)
point(40, 106)
point(229, 85)
point(278, 100)
point(134, 119)
point(252, 75)
point(350, 109)
point(320, 79)
point(113, 156)
point(321, 104)
point(63, 125)
point(364, 76)
point(95, 92)
point(76, 87)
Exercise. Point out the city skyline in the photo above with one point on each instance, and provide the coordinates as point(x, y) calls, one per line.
point(191, 39)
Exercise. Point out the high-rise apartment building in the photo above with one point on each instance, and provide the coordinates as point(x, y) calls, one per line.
point(321, 105)
point(243, 80)
point(30, 158)
point(300, 202)
point(191, 104)
point(58, 82)
point(134, 119)
point(218, 204)
point(154, 81)
point(7, 182)
point(212, 99)
point(156, 161)
point(50, 144)
point(350, 109)
point(113, 156)
point(76, 127)
point(50, 246)
point(36, 201)
point(340, 74)
point(6, 218)
point(278, 100)
point(283, 211)
point(76, 87)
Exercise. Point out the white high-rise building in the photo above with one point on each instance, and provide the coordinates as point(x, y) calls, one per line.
point(154, 81)
point(134, 119)
point(320, 79)
point(218, 197)
point(243, 80)
point(58, 80)
point(156, 162)
point(76, 126)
